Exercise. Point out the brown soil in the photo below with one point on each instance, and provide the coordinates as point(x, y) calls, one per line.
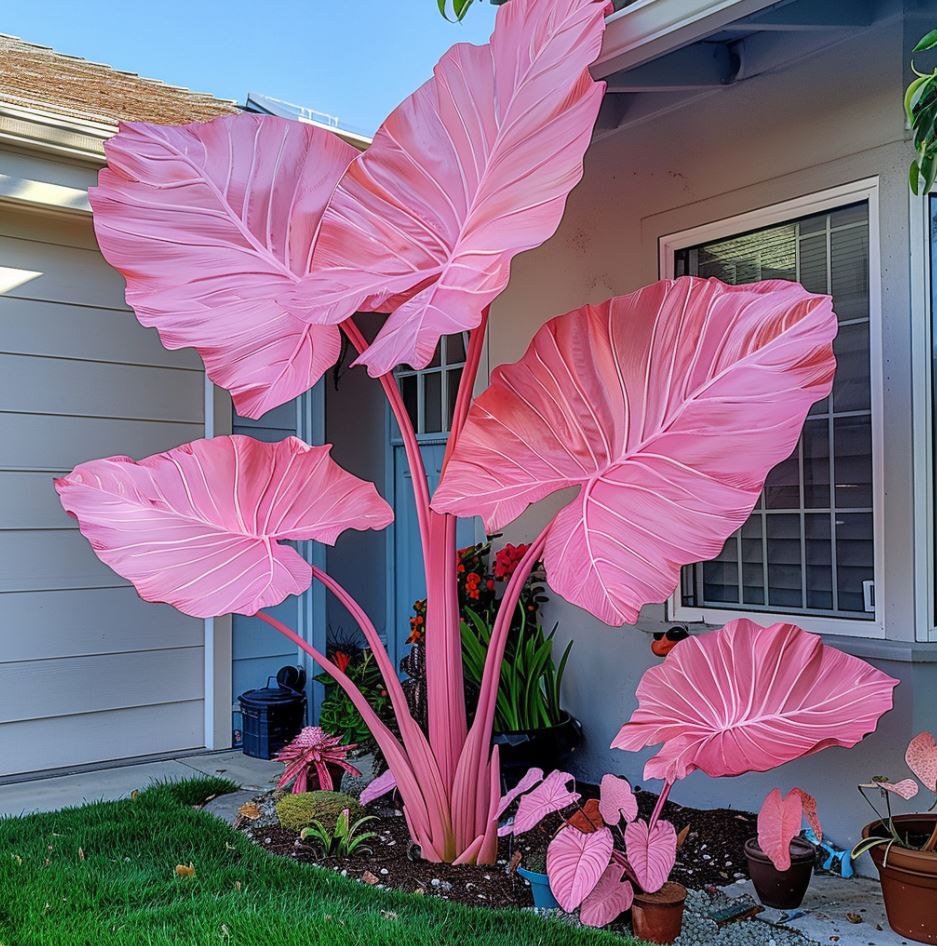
point(711, 855)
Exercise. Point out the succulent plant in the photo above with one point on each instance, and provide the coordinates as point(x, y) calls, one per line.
point(315, 759)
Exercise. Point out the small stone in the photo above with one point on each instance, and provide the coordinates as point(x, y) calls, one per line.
point(384, 871)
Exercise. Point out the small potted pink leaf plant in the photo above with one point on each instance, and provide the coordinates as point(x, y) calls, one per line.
point(904, 847)
point(780, 862)
point(748, 698)
point(603, 859)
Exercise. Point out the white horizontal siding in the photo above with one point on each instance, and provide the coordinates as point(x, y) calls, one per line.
point(43, 625)
point(49, 743)
point(88, 671)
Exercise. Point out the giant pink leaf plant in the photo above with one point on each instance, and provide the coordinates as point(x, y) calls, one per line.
point(256, 240)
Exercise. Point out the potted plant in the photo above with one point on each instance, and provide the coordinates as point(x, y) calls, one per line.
point(904, 847)
point(748, 698)
point(780, 862)
point(603, 859)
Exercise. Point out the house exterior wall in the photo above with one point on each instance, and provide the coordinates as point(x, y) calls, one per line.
point(826, 121)
point(88, 671)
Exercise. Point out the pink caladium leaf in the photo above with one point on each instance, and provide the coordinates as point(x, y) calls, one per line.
point(552, 794)
point(209, 223)
point(809, 805)
point(201, 526)
point(667, 408)
point(907, 788)
point(749, 698)
point(530, 779)
point(652, 852)
point(921, 757)
point(576, 862)
point(470, 170)
point(610, 897)
point(616, 800)
point(779, 822)
point(378, 787)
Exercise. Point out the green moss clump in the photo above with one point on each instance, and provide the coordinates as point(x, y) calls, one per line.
point(299, 811)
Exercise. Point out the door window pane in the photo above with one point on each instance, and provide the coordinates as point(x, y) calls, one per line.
point(430, 394)
point(809, 545)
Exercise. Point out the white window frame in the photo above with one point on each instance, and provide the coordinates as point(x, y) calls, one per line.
point(775, 214)
point(923, 417)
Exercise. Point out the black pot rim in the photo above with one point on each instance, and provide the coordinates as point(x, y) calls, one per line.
point(567, 720)
point(801, 851)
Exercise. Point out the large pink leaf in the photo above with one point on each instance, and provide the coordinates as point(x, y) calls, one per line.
point(779, 823)
point(209, 224)
point(530, 779)
point(610, 897)
point(748, 698)
point(201, 527)
point(552, 794)
point(652, 852)
point(470, 170)
point(667, 408)
point(378, 787)
point(575, 862)
point(616, 800)
point(921, 757)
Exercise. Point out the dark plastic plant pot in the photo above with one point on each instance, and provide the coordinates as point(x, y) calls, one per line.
point(909, 878)
point(540, 888)
point(546, 748)
point(658, 917)
point(781, 889)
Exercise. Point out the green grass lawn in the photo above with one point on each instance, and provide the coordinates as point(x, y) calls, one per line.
point(104, 875)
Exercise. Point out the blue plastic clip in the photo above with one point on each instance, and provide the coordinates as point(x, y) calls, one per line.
point(837, 861)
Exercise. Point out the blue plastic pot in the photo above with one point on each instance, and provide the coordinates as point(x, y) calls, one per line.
point(540, 888)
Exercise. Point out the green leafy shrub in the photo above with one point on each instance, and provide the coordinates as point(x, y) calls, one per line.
point(344, 839)
point(300, 811)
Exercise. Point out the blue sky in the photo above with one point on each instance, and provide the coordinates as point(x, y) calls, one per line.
point(354, 59)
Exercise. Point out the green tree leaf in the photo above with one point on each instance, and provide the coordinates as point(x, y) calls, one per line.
point(927, 42)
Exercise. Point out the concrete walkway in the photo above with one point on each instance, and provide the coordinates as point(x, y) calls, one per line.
point(835, 911)
point(68, 791)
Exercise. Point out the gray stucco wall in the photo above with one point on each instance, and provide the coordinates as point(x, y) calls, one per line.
point(826, 121)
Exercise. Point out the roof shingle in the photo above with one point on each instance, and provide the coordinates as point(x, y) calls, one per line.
point(38, 77)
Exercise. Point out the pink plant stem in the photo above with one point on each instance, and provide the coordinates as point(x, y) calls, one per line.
point(427, 826)
point(463, 399)
point(659, 807)
point(407, 433)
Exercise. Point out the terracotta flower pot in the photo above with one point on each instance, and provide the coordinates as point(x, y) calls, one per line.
point(781, 889)
point(658, 917)
point(909, 878)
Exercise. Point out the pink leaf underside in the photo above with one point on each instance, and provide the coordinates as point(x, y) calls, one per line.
point(779, 823)
point(576, 862)
point(616, 800)
point(378, 787)
point(667, 408)
point(907, 788)
point(209, 223)
point(651, 854)
point(551, 795)
point(748, 698)
point(201, 526)
point(809, 805)
point(921, 757)
point(470, 170)
point(610, 897)
point(530, 779)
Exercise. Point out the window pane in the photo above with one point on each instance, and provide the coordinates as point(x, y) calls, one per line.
point(852, 445)
point(816, 446)
point(855, 558)
point(849, 273)
point(819, 550)
point(851, 385)
point(782, 487)
point(453, 378)
point(814, 276)
point(753, 569)
point(408, 390)
point(784, 572)
point(432, 402)
point(455, 349)
point(434, 361)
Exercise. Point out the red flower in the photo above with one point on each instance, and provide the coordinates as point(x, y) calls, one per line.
point(342, 660)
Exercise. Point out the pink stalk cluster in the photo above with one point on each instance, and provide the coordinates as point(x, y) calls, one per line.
point(317, 754)
point(255, 240)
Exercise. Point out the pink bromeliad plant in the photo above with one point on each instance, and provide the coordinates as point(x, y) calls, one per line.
point(255, 240)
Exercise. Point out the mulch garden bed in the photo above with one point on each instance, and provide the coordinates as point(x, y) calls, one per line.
point(712, 854)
